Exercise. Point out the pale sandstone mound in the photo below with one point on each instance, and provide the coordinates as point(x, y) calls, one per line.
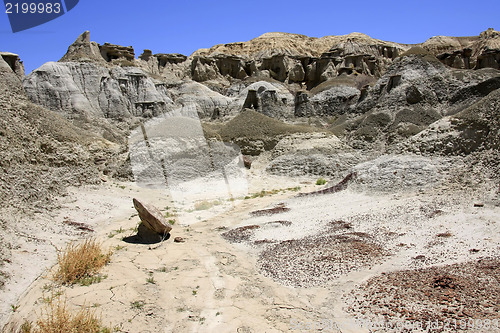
point(475, 52)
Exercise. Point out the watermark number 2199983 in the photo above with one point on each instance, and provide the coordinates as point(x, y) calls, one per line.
point(26, 14)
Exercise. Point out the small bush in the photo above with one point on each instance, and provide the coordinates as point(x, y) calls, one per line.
point(57, 318)
point(321, 181)
point(80, 261)
point(204, 205)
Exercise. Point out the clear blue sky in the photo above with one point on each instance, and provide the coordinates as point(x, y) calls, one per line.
point(183, 26)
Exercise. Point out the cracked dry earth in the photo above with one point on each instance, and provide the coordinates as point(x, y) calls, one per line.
point(324, 260)
point(203, 284)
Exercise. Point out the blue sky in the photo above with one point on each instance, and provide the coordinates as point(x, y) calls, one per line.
point(185, 26)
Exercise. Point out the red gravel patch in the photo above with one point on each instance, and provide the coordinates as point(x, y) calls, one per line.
point(240, 234)
point(313, 261)
point(456, 294)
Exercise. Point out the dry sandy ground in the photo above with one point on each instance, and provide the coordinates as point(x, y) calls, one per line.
point(300, 274)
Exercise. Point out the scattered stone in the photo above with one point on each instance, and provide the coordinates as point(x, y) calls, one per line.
point(478, 204)
point(333, 189)
point(78, 225)
point(279, 223)
point(152, 218)
point(450, 293)
point(276, 210)
point(247, 162)
point(179, 240)
point(315, 260)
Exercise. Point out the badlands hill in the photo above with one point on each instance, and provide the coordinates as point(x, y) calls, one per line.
point(416, 128)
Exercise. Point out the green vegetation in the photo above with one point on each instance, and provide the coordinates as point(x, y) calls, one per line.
point(205, 204)
point(321, 181)
point(137, 305)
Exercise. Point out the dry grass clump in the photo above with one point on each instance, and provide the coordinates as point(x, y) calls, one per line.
point(57, 318)
point(79, 262)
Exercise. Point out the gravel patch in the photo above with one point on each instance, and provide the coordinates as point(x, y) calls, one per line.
point(460, 295)
point(315, 260)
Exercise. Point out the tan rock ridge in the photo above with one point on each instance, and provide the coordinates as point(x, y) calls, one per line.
point(294, 45)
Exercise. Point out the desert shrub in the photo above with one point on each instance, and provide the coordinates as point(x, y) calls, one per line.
point(79, 262)
point(56, 317)
point(321, 181)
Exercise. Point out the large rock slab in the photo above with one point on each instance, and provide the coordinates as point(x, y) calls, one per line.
point(152, 218)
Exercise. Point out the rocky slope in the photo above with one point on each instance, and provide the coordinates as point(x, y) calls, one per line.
point(374, 94)
point(309, 76)
point(41, 153)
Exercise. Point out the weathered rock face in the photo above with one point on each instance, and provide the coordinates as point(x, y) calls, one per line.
point(172, 66)
point(111, 52)
point(478, 52)
point(201, 101)
point(41, 152)
point(368, 89)
point(83, 90)
point(476, 128)
point(12, 60)
point(83, 50)
point(295, 58)
point(416, 91)
point(312, 154)
point(270, 99)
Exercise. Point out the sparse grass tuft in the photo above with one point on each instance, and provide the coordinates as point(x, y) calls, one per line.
point(56, 317)
point(204, 205)
point(137, 305)
point(27, 327)
point(79, 262)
